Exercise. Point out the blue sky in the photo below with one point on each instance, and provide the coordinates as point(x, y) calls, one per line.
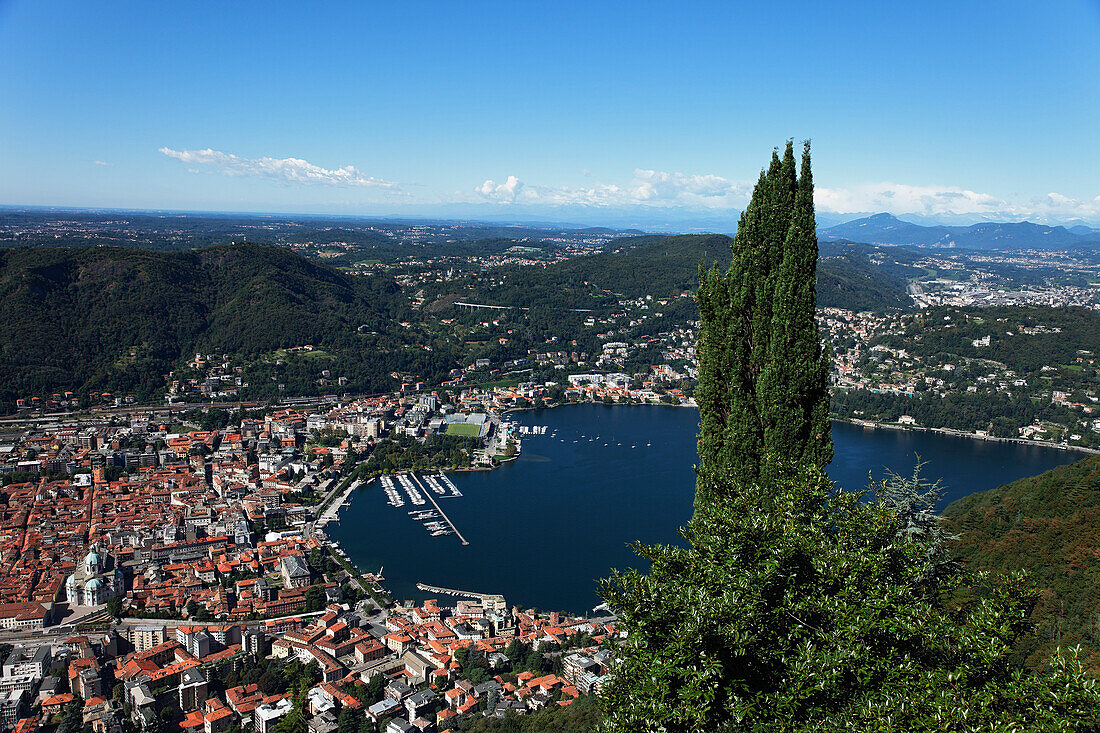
point(588, 112)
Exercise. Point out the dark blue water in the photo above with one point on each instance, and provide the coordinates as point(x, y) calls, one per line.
point(543, 528)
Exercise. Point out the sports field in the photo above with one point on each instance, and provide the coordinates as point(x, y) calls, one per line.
point(464, 430)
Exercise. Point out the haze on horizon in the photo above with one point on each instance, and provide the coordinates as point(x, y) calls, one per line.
point(601, 114)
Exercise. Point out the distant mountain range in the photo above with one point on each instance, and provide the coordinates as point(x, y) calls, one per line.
point(887, 229)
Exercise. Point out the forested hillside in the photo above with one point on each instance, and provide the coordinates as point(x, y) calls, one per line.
point(1033, 351)
point(846, 277)
point(119, 319)
point(668, 266)
point(1048, 525)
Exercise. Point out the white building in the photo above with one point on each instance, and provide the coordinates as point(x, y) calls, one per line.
point(93, 584)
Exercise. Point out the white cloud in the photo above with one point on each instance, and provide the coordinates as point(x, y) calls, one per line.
point(506, 191)
point(645, 188)
point(901, 198)
point(100, 162)
point(285, 170)
point(951, 201)
point(710, 192)
point(649, 185)
point(1056, 206)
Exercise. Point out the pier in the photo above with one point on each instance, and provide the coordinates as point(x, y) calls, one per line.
point(441, 512)
point(490, 601)
point(336, 502)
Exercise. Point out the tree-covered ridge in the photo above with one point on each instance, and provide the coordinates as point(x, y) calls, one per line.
point(992, 369)
point(849, 280)
point(1048, 525)
point(1025, 338)
point(118, 320)
point(666, 266)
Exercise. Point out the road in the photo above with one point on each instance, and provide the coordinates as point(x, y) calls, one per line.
point(55, 634)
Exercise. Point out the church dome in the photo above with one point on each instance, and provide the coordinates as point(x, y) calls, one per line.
point(92, 562)
point(93, 584)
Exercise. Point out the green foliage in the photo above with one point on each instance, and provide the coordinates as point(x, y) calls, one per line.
point(293, 722)
point(580, 716)
point(349, 720)
point(951, 331)
point(405, 454)
point(762, 392)
point(851, 281)
point(372, 691)
point(800, 607)
point(1048, 525)
point(101, 318)
point(796, 606)
point(473, 664)
point(315, 598)
point(1050, 349)
point(668, 266)
point(72, 717)
point(270, 683)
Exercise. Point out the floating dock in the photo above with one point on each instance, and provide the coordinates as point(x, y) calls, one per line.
point(450, 485)
point(441, 512)
point(412, 491)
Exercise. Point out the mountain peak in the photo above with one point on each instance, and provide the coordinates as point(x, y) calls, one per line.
point(887, 229)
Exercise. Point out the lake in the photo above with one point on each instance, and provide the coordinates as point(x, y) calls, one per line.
point(543, 528)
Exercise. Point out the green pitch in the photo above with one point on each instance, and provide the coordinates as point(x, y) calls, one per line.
point(464, 430)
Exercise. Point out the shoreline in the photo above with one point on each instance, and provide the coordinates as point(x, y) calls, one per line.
point(866, 424)
point(875, 425)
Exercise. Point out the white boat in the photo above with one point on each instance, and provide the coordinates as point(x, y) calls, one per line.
point(392, 494)
point(410, 489)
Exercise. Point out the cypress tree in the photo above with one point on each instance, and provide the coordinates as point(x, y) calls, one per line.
point(763, 372)
point(794, 605)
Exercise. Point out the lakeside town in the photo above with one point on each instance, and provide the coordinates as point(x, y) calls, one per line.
point(151, 568)
point(166, 566)
point(155, 556)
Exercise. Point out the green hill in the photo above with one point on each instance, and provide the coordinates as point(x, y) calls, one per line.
point(850, 280)
point(668, 266)
point(116, 319)
point(1048, 525)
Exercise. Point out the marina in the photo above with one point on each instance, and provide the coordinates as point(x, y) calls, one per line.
point(445, 527)
point(435, 520)
point(393, 497)
point(414, 493)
